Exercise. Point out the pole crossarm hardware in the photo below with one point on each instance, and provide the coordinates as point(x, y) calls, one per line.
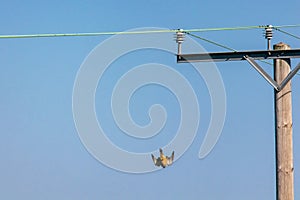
point(250, 57)
point(238, 55)
point(266, 76)
point(262, 72)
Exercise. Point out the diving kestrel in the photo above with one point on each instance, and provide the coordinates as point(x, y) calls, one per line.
point(163, 160)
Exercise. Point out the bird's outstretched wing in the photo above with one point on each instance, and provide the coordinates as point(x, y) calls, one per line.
point(161, 152)
point(157, 161)
point(163, 160)
point(170, 159)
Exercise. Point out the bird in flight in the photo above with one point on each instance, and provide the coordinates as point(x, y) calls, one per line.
point(163, 160)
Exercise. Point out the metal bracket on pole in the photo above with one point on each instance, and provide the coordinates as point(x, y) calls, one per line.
point(266, 76)
point(250, 57)
point(238, 55)
point(289, 77)
point(262, 72)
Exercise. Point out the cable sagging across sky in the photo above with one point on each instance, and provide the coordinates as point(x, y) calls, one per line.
point(139, 32)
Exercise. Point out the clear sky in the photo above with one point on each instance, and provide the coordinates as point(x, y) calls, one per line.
point(42, 155)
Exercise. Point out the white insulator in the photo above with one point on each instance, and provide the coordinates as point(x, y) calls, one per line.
point(180, 36)
point(269, 32)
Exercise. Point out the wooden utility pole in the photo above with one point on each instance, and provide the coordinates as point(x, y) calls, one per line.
point(281, 55)
point(283, 122)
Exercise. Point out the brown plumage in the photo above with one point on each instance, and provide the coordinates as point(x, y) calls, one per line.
point(163, 160)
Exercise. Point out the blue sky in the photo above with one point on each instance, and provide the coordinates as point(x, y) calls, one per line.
point(42, 156)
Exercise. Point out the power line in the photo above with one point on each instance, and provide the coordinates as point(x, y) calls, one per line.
point(290, 34)
point(187, 31)
point(241, 28)
point(81, 34)
point(138, 32)
point(287, 33)
point(221, 45)
point(212, 42)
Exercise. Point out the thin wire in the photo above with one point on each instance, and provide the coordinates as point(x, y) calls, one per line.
point(287, 33)
point(83, 34)
point(221, 45)
point(285, 26)
point(266, 62)
point(138, 32)
point(238, 28)
point(212, 42)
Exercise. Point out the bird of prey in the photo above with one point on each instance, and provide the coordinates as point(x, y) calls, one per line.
point(163, 160)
